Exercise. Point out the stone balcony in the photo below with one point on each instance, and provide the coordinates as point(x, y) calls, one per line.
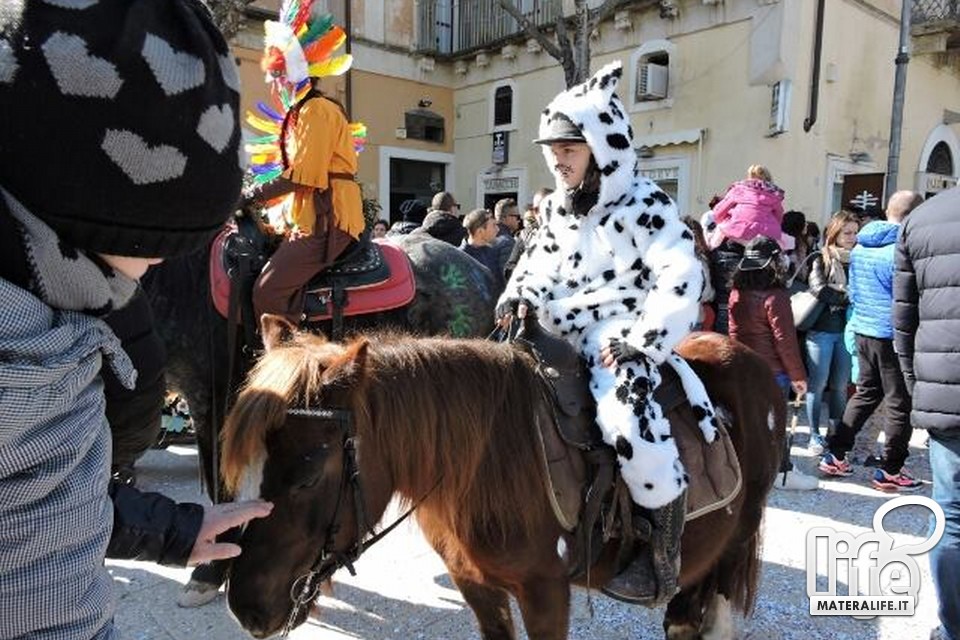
point(936, 27)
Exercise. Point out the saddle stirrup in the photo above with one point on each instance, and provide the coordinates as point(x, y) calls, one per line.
point(652, 577)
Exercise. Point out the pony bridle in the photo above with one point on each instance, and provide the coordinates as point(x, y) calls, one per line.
point(329, 560)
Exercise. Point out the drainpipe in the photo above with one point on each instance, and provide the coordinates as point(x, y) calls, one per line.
point(700, 197)
point(348, 27)
point(899, 88)
point(811, 118)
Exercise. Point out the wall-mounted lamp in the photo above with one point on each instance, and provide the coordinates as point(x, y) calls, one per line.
point(425, 103)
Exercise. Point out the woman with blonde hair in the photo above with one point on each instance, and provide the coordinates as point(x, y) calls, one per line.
point(827, 358)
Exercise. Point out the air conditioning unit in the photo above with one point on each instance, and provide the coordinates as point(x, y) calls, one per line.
point(779, 107)
point(651, 81)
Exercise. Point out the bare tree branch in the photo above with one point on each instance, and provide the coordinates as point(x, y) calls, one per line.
point(228, 15)
point(531, 29)
point(566, 57)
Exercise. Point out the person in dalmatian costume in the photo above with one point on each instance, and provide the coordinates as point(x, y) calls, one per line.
point(613, 271)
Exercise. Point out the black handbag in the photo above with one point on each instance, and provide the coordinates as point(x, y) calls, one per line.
point(805, 306)
point(806, 309)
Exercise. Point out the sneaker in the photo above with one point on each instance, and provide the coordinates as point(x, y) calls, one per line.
point(817, 444)
point(902, 481)
point(834, 466)
point(793, 480)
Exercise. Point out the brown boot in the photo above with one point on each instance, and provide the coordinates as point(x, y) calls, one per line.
point(651, 578)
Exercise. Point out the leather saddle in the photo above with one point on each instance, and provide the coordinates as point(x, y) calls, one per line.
point(368, 277)
point(584, 486)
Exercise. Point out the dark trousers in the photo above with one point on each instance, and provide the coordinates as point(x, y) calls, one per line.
point(280, 287)
point(880, 379)
point(783, 381)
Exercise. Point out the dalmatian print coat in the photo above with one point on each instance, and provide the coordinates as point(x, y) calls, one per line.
point(625, 270)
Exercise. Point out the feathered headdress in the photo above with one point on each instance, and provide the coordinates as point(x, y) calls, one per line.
point(301, 45)
point(298, 47)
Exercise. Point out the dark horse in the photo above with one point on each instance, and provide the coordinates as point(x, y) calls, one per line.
point(455, 296)
point(452, 423)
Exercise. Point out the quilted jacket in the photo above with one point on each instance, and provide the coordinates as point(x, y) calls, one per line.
point(871, 279)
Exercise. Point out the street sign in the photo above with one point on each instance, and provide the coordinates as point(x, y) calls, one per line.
point(501, 147)
point(863, 193)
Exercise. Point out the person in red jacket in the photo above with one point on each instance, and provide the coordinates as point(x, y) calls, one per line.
point(760, 317)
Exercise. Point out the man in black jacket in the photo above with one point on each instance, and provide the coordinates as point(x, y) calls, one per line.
point(926, 318)
point(443, 220)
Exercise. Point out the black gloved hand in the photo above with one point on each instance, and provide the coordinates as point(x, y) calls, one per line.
point(623, 352)
point(510, 306)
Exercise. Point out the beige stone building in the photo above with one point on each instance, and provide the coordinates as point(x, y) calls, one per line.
point(451, 94)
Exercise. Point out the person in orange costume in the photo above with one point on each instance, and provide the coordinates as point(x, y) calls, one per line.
point(326, 210)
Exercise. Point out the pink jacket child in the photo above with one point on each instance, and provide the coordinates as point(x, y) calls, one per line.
point(750, 208)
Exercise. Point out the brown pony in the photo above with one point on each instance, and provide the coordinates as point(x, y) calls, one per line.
point(330, 433)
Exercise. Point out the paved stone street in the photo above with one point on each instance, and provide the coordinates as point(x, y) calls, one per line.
point(402, 591)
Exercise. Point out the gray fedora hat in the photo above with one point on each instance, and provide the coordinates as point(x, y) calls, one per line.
point(560, 129)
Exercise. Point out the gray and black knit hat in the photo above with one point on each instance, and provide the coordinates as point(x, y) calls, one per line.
point(120, 125)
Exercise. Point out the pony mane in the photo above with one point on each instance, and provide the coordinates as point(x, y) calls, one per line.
point(283, 378)
point(461, 412)
point(455, 418)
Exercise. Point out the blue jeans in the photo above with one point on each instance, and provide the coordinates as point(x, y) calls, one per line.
point(827, 359)
point(945, 557)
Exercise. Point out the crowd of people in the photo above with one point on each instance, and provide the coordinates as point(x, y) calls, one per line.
point(72, 257)
point(496, 239)
point(840, 352)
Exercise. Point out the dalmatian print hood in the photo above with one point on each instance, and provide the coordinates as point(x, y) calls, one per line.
point(599, 114)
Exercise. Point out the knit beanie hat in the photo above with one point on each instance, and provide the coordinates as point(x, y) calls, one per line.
point(120, 124)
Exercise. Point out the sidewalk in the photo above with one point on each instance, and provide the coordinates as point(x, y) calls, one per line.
point(402, 592)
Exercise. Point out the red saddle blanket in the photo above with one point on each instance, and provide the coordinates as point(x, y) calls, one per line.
point(398, 290)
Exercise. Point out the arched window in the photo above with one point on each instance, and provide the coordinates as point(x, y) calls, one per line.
point(941, 160)
point(503, 106)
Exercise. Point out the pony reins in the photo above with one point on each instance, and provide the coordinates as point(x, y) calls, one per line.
point(304, 589)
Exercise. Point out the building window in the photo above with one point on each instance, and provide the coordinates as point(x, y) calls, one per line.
point(652, 65)
point(779, 108)
point(672, 175)
point(503, 105)
point(941, 160)
point(423, 124)
point(653, 77)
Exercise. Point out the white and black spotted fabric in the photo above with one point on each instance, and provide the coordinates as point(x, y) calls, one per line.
point(120, 124)
point(624, 269)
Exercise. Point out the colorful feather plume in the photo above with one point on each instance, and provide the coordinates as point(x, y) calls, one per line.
point(302, 44)
point(266, 158)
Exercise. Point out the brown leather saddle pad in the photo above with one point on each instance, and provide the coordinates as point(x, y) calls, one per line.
point(570, 440)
